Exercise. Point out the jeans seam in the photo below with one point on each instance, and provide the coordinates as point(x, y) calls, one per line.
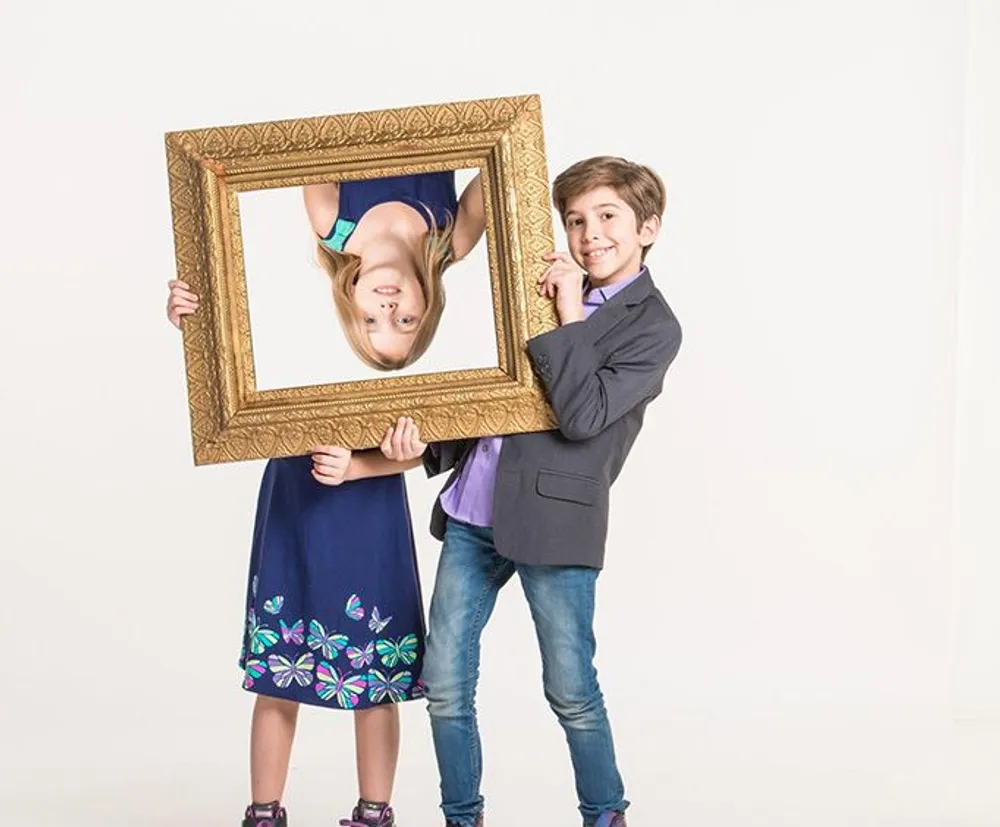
point(494, 578)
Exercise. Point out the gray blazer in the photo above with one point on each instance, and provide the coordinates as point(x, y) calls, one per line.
point(550, 504)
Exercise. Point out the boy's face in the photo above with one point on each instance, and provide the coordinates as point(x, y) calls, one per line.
point(603, 237)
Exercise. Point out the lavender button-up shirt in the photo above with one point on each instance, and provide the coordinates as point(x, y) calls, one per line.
point(470, 498)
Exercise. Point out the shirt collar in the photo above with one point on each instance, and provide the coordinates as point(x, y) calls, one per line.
point(599, 295)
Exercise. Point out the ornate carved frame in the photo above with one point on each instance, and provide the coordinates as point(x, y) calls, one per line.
point(230, 418)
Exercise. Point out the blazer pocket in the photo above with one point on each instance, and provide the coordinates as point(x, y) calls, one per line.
point(574, 488)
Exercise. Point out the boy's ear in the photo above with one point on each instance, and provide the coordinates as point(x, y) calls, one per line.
point(649, 230)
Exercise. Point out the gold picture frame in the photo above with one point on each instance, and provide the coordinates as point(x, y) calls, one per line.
point(232, 420)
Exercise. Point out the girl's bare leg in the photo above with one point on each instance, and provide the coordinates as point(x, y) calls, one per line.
point(376, 741)
point(271, 735)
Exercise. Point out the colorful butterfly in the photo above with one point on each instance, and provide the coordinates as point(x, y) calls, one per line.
point(376, 623)
point(353, 608)
point(331, 644)
point(360, 658)
point(273, 606)
point(284, 672)
point(380, 687)
point(254, 669)
point(345, 688)
point(295, 633)
point(261, 637)
point(394, 651)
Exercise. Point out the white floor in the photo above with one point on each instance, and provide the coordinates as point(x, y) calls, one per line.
point(777, 772)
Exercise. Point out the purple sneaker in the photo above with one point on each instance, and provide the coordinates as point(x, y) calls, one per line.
point(366, 814)
point(265, 815)
point(610, 818)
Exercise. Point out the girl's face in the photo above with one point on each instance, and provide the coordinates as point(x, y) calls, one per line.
point(390, 303)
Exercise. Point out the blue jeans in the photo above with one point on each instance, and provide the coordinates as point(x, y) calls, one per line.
point(561, 598)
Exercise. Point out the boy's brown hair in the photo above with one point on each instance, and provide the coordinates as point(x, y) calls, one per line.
point(637, 185)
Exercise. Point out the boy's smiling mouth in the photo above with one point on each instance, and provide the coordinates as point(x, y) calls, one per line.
point(598, 254)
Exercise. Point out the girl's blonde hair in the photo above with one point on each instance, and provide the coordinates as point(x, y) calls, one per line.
point(343, 269)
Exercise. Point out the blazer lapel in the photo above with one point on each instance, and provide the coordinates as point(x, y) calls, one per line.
point(617, 307)
point(606, 317)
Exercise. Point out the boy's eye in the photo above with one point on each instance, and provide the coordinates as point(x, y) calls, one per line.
point(608, 215)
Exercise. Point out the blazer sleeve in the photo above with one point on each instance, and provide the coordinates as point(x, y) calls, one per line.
point(443, 456)
point(588, 395)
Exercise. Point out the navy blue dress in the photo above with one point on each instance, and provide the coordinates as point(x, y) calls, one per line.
point(334, 610)
point(434, 191)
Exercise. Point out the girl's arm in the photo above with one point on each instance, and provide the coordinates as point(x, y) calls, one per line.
point(401, 450)
point(322, 206)
point(334, 465)
point(374, 463)
point(471, 220)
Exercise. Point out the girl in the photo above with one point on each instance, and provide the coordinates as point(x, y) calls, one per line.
point(385, 243)
point(334, 615)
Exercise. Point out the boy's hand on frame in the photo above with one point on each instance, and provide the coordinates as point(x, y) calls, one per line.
point(402, 441)
point(563, 281)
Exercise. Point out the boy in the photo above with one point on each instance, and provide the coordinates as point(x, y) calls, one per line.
point(537, 504)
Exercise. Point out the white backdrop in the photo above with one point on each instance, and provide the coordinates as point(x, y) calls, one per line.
point(798, 621)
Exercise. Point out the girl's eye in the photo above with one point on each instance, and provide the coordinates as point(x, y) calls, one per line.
point(406, 320)
point(369, 320)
